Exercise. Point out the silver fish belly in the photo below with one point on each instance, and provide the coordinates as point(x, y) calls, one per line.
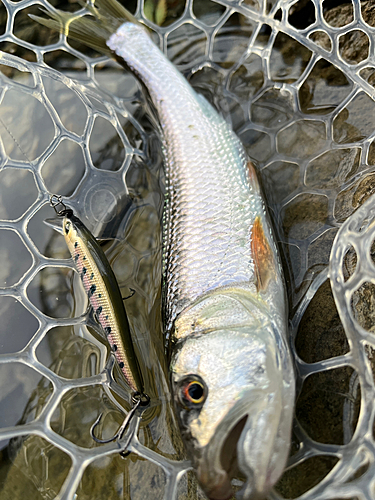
point(224, 298)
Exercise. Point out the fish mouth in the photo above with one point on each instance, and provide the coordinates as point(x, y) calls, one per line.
point(226, 463)
point(228, 456)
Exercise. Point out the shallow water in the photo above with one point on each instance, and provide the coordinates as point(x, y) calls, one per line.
point(94, 138)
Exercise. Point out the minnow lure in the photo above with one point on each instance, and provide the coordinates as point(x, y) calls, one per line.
point(224, 300)
point(105, 297)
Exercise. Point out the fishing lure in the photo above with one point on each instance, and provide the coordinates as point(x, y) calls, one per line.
point(105, 298)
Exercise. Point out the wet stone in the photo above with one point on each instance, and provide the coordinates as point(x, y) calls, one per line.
point(338, 16)
point(354, 46)
point(64, 169)
point(273, 109)
point(257, 144)
point(322, 39)
point(15, 259)
point(184, 41)
point(207, 11)
point(254, 4)
point(235, 114)
point(302, 14)
point(114, 477)
point(62, 61)
point(328, 406)
point(320, 333)
point(278, 14)
point(302, 139)
point(363, 306)
point(3, 18)
point(18, 192)
point(324, 89)
point(349, 199)
point(371, 154)
point(263, 36)
point(349, 263)
point(288, 59)
point(232, 40)
point(368, 12)
point(296, 481)
point(320, 250)
point(45, 465)
point(304, 215)
point(15, 318)
point(248, 78)
point(368, 74)
point(356, 121)
point(333, 168)
point(279, 179)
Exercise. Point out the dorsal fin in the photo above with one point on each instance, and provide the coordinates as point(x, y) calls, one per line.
point(263, 256)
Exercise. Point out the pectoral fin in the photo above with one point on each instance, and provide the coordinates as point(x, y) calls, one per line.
point(253, 176)
point(263, 256)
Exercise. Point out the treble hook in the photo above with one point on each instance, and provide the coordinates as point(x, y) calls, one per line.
point(55, 200)
point(138, 400)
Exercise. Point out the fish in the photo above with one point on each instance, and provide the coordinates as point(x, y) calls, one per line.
point(224, 300)
point(103, 293)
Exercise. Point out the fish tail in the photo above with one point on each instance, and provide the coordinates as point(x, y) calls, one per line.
point(94, 30)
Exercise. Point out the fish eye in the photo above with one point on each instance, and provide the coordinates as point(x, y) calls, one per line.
point(192, 392)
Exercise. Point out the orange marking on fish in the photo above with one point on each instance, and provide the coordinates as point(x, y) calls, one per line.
point(264, 259)
point(253, 176)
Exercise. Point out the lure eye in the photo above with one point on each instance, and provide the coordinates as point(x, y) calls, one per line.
point(67, 226)
point(193, 392)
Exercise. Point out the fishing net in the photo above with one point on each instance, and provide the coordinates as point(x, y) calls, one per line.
point(296, 81)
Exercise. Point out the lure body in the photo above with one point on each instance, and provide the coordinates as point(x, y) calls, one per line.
point(104, 295)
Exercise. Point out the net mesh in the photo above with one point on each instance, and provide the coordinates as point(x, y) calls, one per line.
point(295, 79)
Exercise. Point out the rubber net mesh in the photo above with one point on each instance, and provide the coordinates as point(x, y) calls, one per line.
point(295, 80)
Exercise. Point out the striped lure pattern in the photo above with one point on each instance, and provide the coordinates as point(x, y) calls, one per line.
point(104, 295)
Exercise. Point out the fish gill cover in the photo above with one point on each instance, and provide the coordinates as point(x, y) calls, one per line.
point(295, 79)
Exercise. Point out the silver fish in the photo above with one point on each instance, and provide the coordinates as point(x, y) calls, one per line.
point(224, 299)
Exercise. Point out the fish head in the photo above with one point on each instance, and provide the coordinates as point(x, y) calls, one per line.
point(234, 397)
